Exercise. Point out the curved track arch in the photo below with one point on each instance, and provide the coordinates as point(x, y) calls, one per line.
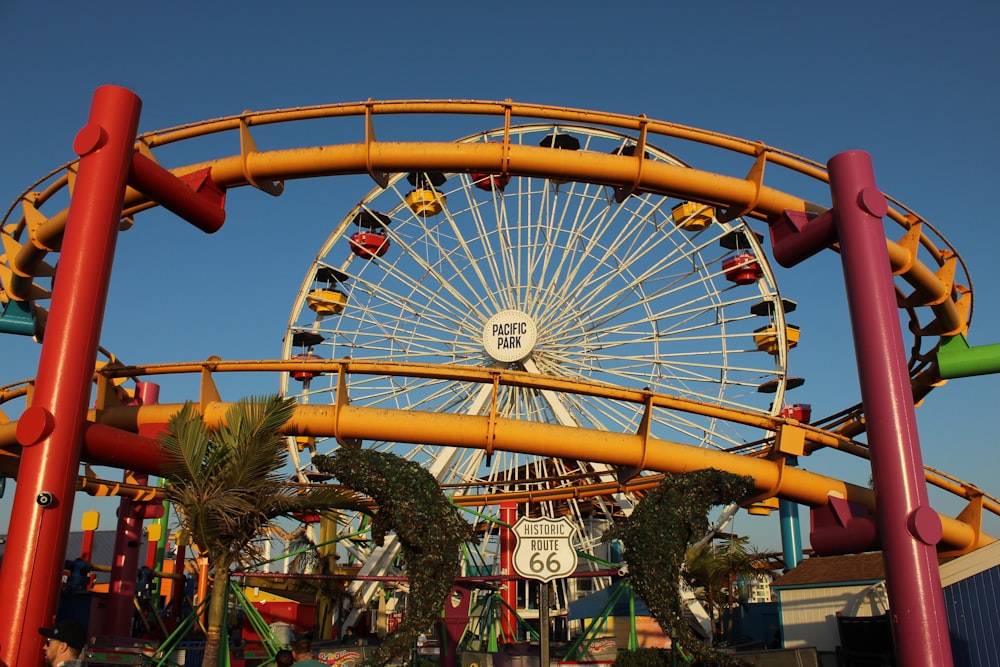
point(932, 283)
point(349, 422)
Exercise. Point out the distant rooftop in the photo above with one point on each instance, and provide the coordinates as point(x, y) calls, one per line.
point(854, 568)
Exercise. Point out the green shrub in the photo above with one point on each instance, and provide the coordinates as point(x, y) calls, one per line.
point(643, 657)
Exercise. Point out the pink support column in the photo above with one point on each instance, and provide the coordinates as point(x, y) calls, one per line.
point(907, 527)
point(51, 429)
point(456, 619)
point(508, 620)
point(178, 587)
point(128, 536)
point(910, 529)
point(125, 567)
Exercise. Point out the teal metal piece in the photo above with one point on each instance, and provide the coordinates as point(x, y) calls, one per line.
point(957, 359)
point(18, 318)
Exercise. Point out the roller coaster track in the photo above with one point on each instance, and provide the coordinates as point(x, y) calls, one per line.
point(933, 287)
point(764, 463)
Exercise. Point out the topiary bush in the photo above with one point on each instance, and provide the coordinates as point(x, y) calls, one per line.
point(655, 538)
point(430, 532)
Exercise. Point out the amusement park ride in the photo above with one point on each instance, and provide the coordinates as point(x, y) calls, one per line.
point(549, 314)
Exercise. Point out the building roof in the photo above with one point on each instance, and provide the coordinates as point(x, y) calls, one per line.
point(826, 570)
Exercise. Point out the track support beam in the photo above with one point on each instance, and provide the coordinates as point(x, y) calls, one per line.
point(909, 530)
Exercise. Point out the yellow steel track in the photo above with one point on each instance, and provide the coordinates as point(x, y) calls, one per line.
point(933, 286)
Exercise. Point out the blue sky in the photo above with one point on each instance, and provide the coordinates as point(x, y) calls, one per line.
point(914, 84)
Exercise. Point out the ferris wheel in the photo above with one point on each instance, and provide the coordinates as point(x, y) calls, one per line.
point(560, 278)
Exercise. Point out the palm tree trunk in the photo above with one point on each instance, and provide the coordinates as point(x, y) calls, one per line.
point(216, 615)
point(727, 630)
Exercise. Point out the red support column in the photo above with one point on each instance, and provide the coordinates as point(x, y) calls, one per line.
point(131, 513)
point(456, 618)
point(87, 548)
point(51, 429)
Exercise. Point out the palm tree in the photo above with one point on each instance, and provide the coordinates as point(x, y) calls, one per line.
point(717, 569)
point(226, 486)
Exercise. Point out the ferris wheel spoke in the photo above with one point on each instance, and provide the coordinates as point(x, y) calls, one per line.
point(613, 303)
point(455, 299)
point(578, 237)
point(480, 231)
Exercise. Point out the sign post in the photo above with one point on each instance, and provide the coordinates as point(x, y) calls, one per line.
point(544, 551)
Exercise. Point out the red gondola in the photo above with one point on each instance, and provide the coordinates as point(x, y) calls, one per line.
point(742, 269)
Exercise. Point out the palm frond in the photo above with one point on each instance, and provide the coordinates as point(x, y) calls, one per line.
point(326, 501)
point(226, 484)
point(251, 432)
point(185, 443)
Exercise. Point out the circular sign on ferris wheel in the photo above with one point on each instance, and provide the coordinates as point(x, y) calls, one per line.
point(510, 335)
point(544, 549)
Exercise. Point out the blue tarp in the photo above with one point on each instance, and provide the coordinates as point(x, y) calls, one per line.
point(590, 606)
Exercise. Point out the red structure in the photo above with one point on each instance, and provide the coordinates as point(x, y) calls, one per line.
point(52, 430)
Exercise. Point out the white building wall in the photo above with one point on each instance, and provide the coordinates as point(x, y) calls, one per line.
point(970, 564)
point(809, 615)
point(759, 591)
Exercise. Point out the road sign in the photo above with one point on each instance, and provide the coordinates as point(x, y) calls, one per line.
point(544, 549)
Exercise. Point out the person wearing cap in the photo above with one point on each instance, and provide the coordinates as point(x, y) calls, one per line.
point(64, 642)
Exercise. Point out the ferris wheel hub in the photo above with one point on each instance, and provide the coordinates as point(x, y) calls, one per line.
point(510, 335)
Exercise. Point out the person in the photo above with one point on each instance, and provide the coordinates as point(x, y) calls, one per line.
point(64, 643)
point(303, 654)
point(284, 658)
